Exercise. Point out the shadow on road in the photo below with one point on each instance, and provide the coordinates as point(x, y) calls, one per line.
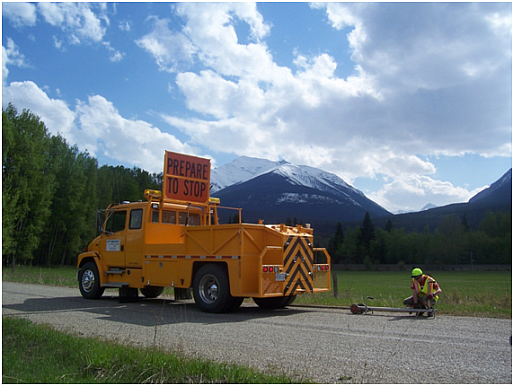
point(144, 312)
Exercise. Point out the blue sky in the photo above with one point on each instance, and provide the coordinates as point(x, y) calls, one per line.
point(409, 102)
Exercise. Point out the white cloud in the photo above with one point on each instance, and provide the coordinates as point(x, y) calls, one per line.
point(76, 19)
point(130, 141)
point(429, 80)
point(98, 127)
point(169, 49)
point(124, 26)
point(20, 14)
point(115, 55)
point(56, 115)
point(80, 22)
point(11, 56)
point(418, 191)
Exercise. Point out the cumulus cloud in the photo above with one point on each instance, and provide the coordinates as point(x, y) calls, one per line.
point(11, 55)
point(80, 22)
point(130, 141)
point(430, 79)
point(55, 113)
point(20, 14)
point(169, 48)
point(418, 191)
point(96, 125)
point(77, 19)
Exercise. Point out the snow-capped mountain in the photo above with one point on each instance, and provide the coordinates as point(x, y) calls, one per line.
point(245, 168)
point(429, 206)
point(275, 191)
point(240, 170)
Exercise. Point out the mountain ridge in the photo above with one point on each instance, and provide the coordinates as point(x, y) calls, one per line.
point(276, 191)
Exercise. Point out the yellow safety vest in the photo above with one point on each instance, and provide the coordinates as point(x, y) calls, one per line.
point(427, 289)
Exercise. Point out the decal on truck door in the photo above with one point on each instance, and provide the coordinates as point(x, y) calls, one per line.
point(112, 245)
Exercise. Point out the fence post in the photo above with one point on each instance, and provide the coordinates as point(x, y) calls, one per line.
point(334, 283)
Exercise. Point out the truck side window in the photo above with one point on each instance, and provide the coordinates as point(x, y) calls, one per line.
point(116, 222)
point(169, 217)
point(155, 216)
point(136, 217)
point(194, 219)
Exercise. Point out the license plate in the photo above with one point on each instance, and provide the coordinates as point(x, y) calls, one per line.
point(280, 276)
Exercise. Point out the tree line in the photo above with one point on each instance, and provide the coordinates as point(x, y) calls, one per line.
point(51, 190)
point(453, 242)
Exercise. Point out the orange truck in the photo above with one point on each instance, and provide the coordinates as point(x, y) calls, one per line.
point(174, 239)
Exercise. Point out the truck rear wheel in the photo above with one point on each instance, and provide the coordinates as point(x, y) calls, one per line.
point(151, 291)
point(211, 289)
point(89, 281)
point(272, 303)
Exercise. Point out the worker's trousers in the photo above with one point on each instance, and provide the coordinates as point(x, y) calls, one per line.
point(409, 302)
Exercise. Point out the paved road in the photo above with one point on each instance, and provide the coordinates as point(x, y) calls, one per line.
point(323, 345)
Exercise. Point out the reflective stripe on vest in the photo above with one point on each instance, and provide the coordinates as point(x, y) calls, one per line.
point(427, 289)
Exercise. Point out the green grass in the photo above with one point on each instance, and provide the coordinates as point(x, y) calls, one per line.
point(59, 277)
point(39, 354)
point(466, 293)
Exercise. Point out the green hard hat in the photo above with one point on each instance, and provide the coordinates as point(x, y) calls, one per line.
point(417, 272)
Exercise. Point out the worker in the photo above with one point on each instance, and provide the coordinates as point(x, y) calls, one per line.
point(424, 290)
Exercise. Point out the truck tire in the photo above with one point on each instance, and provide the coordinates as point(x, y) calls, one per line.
point(236, 303)
point(290, 300)
point(89, 281)
point(273, 303)
point(211, 289)
point(151, 291)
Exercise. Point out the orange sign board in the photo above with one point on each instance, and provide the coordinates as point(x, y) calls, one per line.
point(186, 177)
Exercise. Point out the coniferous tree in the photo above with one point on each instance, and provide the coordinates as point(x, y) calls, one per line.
point(335, 243)
point(367, 233)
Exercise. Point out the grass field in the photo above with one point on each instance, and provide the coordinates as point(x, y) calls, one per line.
point(468, 293)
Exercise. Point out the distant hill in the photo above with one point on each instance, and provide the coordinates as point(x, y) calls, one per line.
point(498, 193)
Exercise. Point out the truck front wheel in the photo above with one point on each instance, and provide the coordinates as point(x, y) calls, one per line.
point(89, 282)
point(211, 289)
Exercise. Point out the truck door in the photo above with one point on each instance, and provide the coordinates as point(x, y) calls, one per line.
point(112, 245)
point(134, 239)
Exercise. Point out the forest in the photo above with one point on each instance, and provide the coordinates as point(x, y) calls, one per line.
point(453, 242)
point(51, 191)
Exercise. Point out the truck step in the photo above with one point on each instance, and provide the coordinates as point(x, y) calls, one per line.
point(115, 284)
point(115, 272)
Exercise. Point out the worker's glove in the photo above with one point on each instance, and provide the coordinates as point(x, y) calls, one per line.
point(430, 296)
